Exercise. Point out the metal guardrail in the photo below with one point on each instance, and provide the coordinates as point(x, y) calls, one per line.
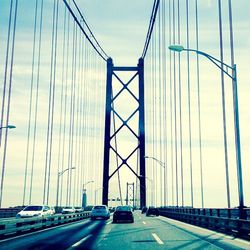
point(13, 226)
point(223, 220)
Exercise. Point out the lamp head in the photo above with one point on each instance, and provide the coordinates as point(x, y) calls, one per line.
point(176, 48)
point(11, 126)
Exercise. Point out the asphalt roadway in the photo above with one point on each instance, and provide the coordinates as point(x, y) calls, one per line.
point(146, 233)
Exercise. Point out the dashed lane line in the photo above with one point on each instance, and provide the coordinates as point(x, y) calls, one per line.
point(159, 241)
point(144, 222)
point(80, 241)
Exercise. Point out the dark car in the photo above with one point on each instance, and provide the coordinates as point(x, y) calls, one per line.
point(152, 211)
point(144, 210)
point(88, 208)
point(123, 213)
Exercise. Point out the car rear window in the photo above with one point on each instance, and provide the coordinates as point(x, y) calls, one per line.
point(33, 208)
point(123, 208)
point(99, 207)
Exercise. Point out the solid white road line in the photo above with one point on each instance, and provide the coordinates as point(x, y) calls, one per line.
point(159, 241)
point(108, 222)
point(81, 241)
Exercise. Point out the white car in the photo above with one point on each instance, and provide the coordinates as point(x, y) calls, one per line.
point(100, 211)
point(35, 210)
point(79, 209)
point(68, 210)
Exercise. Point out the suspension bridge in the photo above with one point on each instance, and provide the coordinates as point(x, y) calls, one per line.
point(169, 129)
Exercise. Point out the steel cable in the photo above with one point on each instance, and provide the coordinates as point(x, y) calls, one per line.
point(30, 102)
point(36, 103)
point(189, 104)
point(9, 99)
point(199, 100)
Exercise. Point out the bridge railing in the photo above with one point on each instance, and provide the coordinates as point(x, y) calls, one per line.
point(223, 220)
point(9, 212)
point(13, 226)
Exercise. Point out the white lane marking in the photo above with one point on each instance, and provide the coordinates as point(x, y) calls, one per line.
point(81, 241)
point(109, 222)
point(159, 241)
point(144, 222)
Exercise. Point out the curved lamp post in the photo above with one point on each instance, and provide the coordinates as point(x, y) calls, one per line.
point(85, 184)
point(163, 164)
point(58, 176)
point(233, 76)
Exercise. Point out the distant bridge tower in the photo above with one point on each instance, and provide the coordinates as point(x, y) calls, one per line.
point(130, 196)
point(139, 133)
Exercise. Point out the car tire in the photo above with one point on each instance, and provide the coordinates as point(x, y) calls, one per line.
point(114, 220)
point(132, 221)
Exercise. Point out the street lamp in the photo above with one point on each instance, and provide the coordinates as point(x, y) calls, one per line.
point(58, 176)
point(84, 195)
point(96, 192)
point(233, 76)
point(85, 184)
point(163, 164)
point(9, 126)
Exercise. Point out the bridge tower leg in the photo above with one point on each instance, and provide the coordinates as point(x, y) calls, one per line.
point(105, 189)
point(139, 136)
point(142, 133)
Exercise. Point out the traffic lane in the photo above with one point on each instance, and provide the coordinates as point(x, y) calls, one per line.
point(60, 237)
point(162, 233)
point(202, 236)
point(127, 236)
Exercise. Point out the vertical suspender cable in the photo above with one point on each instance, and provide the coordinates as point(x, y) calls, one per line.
point(70, 122)
point(154, 115)
point(164, 80)
point(36, 102)
point(72, 113)
point(80, 158)
point(223, 103)
point(180, 107)
point(64, 155)
point(175, 115)
point(6, 69)
point(30, 102)
point(74, 130)
point(189, 106)
point(232, 53)
point(60, 153)
point(83, 119)
point(231, 31)
point(77, 172)
point(171, 106)
point(53, 97)
point(9, 98)
point(160, 100)
point(198, 98)
point(51, 104)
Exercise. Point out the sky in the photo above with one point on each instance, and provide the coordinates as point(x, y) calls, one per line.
point(121, 27)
